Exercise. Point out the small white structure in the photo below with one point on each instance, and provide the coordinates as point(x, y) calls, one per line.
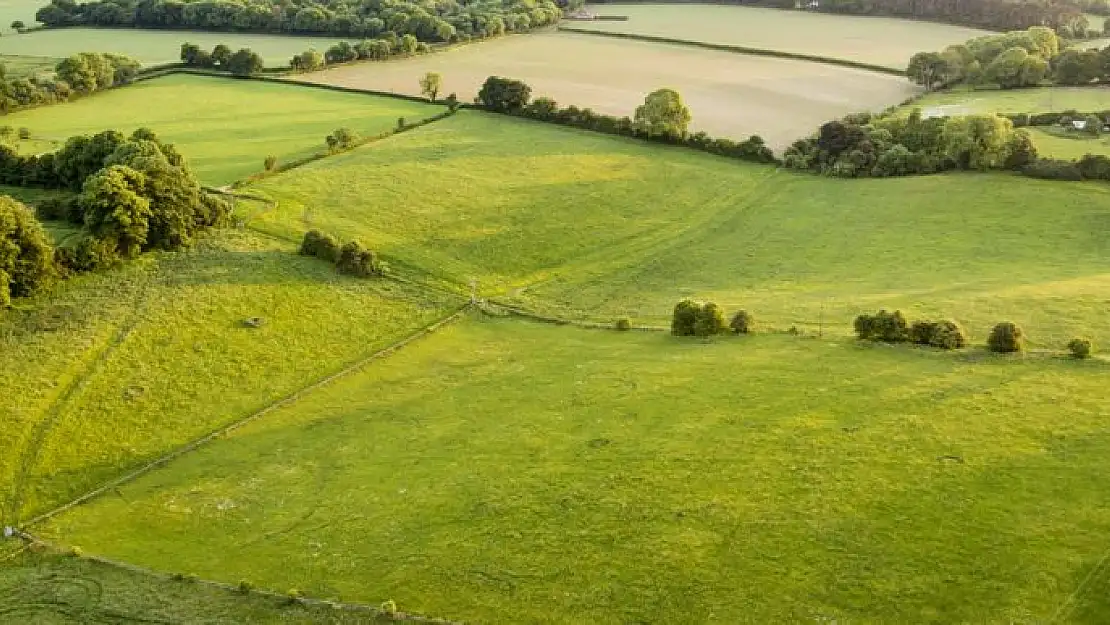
point(1079, 124)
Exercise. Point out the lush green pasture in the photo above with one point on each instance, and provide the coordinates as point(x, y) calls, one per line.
point(505, 201)
point(120, 367)
point(152, 47)
point(19, 65)
point(46, 589)
point(505, 471)
point(588, 226)
point(1060, 143)
point(226, 128)
point(880, 41)
point(730, 95)
point(1045, 100)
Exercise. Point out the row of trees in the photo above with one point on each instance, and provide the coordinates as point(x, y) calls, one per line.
point(663, 117)
point(692, 318)
point(132, 194)
point(1014, 59)
point(365, 50)
point(428, 20)
point(78, 75)
point(244, 62)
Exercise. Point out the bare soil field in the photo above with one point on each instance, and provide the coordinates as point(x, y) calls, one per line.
point(877, 40)
point(729, 95)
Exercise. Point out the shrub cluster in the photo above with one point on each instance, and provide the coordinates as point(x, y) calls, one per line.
point(341, 139)
point(697, 319)
point(385, 47)
point(505, 95)
point(244, 62)
point(430, 20)
point(1081, 349)
point(892, 327)
point(26, 257)
point(351, 258)
point(1006, 338)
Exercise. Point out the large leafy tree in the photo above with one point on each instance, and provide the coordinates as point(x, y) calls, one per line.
point(115, 209)
point(26, 257)
point(978, 141)
point(663, 114)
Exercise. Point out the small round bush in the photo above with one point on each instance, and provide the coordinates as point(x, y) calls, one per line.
point(948, 335)
point(1006, 338)
point(389, 607)
point(1080, 349)
point(270, 163)
point(245, 587)
point(623, 324)
point(742, 322)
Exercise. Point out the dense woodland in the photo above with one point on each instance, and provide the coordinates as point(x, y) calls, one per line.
point(430, 21)
point(1010, 60)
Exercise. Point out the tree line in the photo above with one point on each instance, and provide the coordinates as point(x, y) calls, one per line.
point(130, 194)
point(244, 62)
point(1027, 58)
point(429, 21)
point(385, 47)
point(75, 76)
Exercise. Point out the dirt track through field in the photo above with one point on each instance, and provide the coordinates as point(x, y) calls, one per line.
point(729, 95)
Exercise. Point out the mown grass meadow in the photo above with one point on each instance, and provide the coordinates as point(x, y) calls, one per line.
point(1037, 100)
point(226, 128)
point(506, 470)
point(121, 367)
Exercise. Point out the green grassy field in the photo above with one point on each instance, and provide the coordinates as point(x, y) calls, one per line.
point(226, 128)
point(151, 47)
point(1045, 100)
point(639, 478)
point(613, 228)
point(881, 41)
point(119, 367)
point(46, 588)
point(1057, 143)
point(19, 65)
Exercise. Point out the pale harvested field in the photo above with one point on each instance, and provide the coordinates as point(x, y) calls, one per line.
point(729, 95)
point(877, 40)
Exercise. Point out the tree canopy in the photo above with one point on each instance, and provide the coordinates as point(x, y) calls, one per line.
point(663, 114)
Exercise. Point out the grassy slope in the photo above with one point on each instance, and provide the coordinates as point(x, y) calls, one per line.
point(882, 41)
point(45, 588)
point(603, 228)
point(506, 201)
point(637, 478)
point(225, 128)
point(154, 46)
point(1057, 143)
point(1046, 100)
point(118, 368)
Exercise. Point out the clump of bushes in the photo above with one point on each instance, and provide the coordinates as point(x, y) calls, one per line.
point(26, 256)
point(742, 322)
point(887, 327)
point(623, 324)
point(1080, 349)
point(341, 139)
point(270, 163)
point(245, 586)
point(1006, 338)
point(244, 62)
point(941, 334)
point(352, 258)
point(695, 319)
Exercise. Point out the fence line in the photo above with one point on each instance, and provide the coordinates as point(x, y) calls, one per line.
point(227, 429)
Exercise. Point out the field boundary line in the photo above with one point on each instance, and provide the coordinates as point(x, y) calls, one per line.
point(723, 47)
point(231, 427)
point(493, 307)
point(398, 616)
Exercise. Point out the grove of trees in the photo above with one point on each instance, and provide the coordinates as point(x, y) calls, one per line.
point(78, 75)
point(428, 21)
point(243, 62)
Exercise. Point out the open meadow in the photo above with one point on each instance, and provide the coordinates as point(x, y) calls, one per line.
point(586, 226)
point(731, 95)
point(121, 367)
point(1038, 100)
point(151, 47)
point(506, 471)
point(226, 128)
point(880, 41)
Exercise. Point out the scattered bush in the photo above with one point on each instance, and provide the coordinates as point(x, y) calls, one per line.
point(294, 596)
point(623, 324)
point(341, 139)
point(270, 163)
point(320, 245)
point(884, 326)
point(504, 95)
point(389, 607)
point(693, 319)
point(245, 587)
point(742, 322)
point(684, 317)
point(356, 260)
point(1006, 338)
point(939, 334)
point(1053, 169)
point(24, 133)
point(1080, 349)
point(452, 102)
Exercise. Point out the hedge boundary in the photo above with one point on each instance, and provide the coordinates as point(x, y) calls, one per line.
point(235, 425)
point(495, 308)
point(31, 540)
point(720, 47)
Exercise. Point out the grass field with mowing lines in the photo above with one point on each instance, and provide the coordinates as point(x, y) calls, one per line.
point(510, 471)
point(152, 47)
point(597, 227)
point(50, 588)
point(882, 41)
point(730, 95)
point(226, 128)
point(1041, 100)
point(120, 367)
